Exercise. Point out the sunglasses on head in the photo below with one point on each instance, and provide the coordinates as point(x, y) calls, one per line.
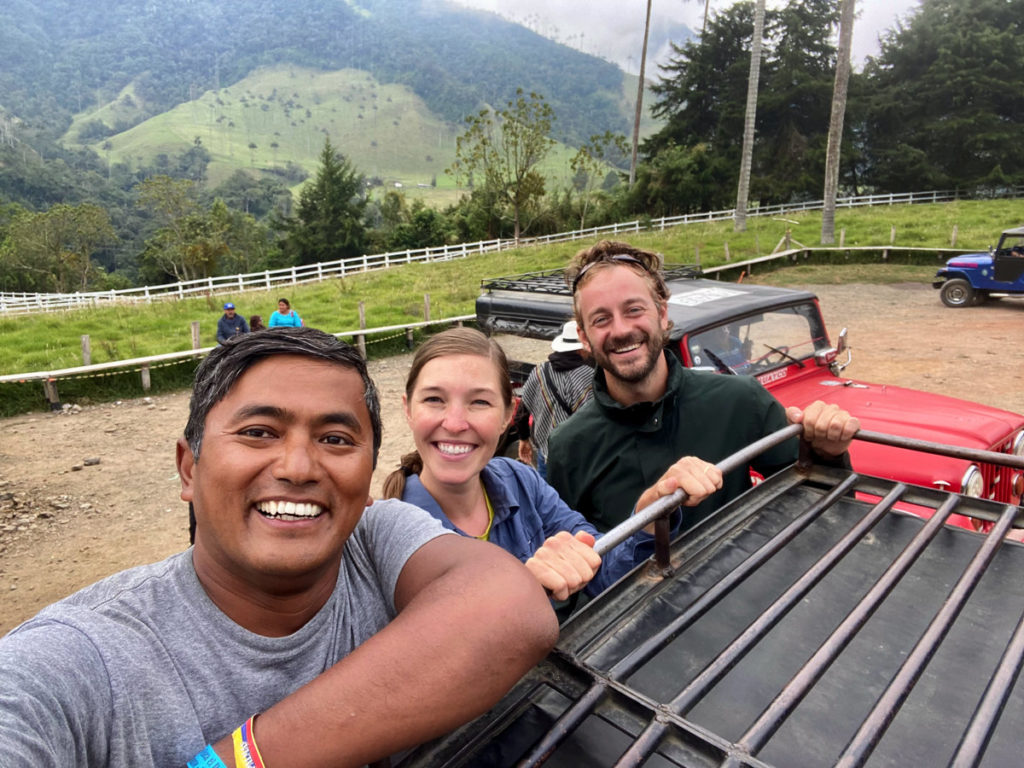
point(620, 257)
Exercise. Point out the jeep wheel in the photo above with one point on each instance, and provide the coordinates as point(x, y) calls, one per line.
point(957, 293)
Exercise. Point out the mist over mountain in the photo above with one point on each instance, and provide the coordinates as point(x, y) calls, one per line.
point(65, 57)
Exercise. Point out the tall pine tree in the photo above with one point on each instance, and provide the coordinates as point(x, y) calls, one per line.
point(328, 221)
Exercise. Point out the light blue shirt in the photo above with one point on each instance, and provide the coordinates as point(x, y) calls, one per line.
point(290, 319)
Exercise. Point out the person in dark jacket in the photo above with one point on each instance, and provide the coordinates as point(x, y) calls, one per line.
point(647, 410)
point(230, 324)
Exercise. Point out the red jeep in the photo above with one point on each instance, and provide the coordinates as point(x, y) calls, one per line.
point(778, 335)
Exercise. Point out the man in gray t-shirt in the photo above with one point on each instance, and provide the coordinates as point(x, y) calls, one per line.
point(353, 631)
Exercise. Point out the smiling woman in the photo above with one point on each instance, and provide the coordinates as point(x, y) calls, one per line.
point(457, 402)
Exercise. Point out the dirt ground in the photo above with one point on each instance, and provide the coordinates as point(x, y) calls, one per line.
point(93, 491)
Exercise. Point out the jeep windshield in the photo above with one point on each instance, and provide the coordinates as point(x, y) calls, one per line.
point(758, 343)
point(1012, 241)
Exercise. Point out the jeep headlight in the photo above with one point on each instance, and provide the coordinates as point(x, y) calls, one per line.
point(1017, 447)
point(973, 484)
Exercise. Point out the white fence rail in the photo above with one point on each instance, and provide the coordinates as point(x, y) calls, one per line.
point(142, 365)
point(23, 303)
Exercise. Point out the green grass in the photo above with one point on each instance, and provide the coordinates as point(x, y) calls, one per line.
point(396, 296)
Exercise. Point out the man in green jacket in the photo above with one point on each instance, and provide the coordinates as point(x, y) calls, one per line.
point(649, 412)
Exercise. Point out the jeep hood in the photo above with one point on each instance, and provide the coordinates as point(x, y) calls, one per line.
point(970, 261)
point(908, 412)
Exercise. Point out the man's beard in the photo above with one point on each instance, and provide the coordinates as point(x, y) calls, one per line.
point(634, 372)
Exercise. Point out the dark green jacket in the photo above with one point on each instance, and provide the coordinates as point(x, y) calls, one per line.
point(606, 455)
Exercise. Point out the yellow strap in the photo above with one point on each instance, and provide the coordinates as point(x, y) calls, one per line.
point(240, 759)
point(486, 535)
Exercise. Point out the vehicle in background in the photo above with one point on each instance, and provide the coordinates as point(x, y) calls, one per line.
point(974, 278)
point(778, 336)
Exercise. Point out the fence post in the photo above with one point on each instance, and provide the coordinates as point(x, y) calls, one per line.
point(145, 377)
point(361, 338)
point(408, 338)
point(86, 350)
point(426, 307)
point(952, 240)
point(50, 390)
point(842, 237)
point(195, 334)
point(727, 258)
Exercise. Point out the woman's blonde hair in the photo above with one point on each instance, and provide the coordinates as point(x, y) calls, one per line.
point(454, 341)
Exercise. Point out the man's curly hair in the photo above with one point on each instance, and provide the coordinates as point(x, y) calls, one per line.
point(609, 253)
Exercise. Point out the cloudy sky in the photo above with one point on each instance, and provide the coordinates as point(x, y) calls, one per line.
point(614, 28)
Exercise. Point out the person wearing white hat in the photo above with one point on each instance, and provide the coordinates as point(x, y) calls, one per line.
point(555, 389)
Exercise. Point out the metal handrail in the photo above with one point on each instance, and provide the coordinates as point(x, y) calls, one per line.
point(666, 504)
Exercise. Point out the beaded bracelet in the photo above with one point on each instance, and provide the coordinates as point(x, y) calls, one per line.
point(206, 759)
point(247, 754)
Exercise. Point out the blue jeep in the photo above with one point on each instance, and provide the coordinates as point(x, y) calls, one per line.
point(975, 277)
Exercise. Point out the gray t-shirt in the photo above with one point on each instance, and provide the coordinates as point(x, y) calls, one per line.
point(142, 669)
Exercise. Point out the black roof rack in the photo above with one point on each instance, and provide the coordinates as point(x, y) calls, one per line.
point(808, 623)
point(553, 280)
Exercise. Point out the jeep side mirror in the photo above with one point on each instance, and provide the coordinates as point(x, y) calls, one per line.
point(842, 345)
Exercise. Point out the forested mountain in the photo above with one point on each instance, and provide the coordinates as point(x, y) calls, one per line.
point(160, 138)
point(116, 112)
point(63, 57)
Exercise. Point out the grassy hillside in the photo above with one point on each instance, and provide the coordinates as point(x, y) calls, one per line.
point(282, 114)
point(396, 296)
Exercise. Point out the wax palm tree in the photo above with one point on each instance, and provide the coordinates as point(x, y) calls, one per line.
point(835, 125)
point(743, 192)
point(639, 98)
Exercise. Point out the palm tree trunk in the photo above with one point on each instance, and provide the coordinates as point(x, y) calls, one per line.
point(639, 98)
point(835, 125)
point(743, 192)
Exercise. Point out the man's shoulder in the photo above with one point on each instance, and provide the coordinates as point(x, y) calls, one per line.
point(133, 580)
point(584, 420)
point(103, 617)
point(393, 523)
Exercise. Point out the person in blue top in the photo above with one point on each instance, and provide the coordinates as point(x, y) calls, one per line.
point(458, 401)
point(285, 315)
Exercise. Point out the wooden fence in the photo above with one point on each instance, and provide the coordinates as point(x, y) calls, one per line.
point(22, 303)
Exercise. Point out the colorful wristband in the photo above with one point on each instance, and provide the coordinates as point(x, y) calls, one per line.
point(247, 754)
point(206, 759)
